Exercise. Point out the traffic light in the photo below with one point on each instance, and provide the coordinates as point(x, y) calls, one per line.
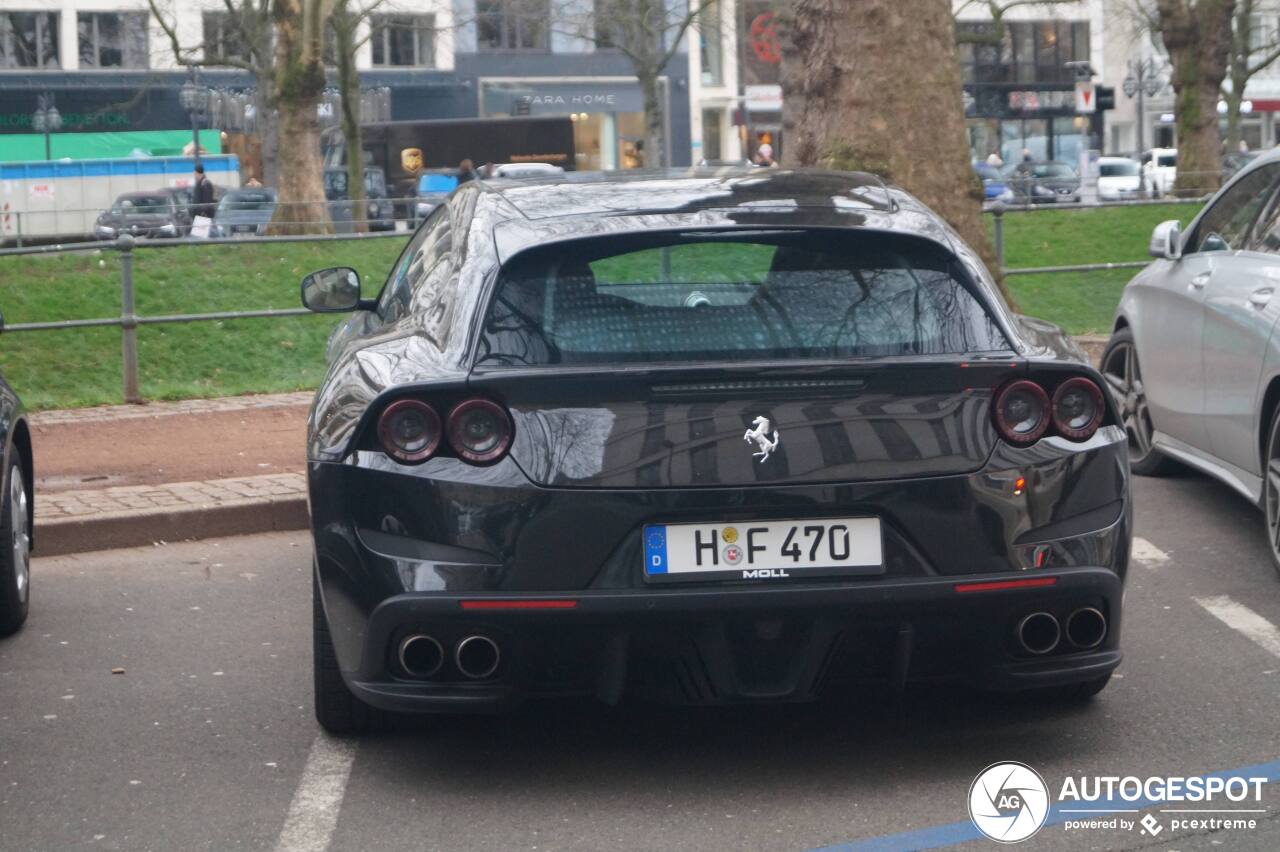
point(1105, 97)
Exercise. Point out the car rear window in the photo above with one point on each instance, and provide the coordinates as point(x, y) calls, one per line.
point(719, 297)
point(248, 200)
point(1129, 169)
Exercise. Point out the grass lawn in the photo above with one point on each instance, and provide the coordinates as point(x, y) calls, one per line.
point(1082, 303)
point(77, 367)
point(57, 369)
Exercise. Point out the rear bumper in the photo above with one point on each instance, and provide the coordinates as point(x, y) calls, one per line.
point(729, 645)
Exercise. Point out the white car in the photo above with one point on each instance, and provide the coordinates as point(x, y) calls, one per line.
point(1119, 178)
point(1160, 165)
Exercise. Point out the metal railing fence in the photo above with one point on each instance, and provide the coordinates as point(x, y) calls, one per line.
point(129, 320)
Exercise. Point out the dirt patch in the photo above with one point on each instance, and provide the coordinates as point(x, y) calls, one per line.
point(173, 448)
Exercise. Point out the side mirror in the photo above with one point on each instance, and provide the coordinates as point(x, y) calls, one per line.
point(1166, 240)
point(331, 290)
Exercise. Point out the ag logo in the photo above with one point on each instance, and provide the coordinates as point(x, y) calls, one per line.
point(1008, 802)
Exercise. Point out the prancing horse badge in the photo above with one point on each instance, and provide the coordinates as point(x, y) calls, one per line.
point(760, 437)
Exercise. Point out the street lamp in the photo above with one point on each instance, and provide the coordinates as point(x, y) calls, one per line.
point(1143, 81)
point(46, 119)
point(195, 100)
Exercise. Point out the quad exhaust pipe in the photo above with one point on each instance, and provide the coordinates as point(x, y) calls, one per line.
point(477, 656)
point(1039, 633)
point(421, 655)
point(1086, 627)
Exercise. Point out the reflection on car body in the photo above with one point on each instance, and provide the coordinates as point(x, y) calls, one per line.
point(532, 468)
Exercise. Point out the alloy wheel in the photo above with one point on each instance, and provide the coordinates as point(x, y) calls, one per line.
point(1125, 381)
point(1272, 491)
point(20, 534)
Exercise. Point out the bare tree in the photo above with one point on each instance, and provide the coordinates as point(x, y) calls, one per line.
point(1197, 35)
point(875, 86)
point(246, 44)
point(299, 73)
point(996, 10)
point(348, 18)
point(648, 33)
point(1254, 47)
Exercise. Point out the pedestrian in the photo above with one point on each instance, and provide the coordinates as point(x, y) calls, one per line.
point(202, 194)
point(466, 171)
point(1026, 155)
point(764, 156)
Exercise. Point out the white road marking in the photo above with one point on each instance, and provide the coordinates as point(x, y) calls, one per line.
point(1240, 618)
point(1147, 553)
point(313, 813)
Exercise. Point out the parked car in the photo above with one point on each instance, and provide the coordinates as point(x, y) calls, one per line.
point(1043, 182)
point(433, 188)
point(17, 511)
point(380, 212)
point(526, 171)
point(1194, 361)
point(994, 187)
point(705, 439)
point(1119, 179)
point(1160, 168)
point(244, 212)
point(150, 213)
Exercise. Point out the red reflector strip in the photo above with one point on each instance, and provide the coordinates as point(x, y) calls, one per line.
point(539, 604)
point(1000, 585)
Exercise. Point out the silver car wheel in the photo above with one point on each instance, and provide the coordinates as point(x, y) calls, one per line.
point(1272, 492)
point(20, 543)
point(1125, 381)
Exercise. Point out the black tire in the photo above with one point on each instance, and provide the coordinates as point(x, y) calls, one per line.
point(337, 710)
point(15, 550)
point(1124, 381)
point(1271, 490)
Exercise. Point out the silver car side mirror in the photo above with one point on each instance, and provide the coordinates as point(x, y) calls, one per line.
point(1166, 240)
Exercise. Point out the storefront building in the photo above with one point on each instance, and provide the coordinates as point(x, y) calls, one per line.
point(112, 72)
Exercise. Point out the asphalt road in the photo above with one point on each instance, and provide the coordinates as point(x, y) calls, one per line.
point(206, 740)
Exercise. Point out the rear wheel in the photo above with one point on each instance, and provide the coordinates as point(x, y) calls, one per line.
point(1271, 490)
point(15, 551)
point(337, 710)
point(1124, 378)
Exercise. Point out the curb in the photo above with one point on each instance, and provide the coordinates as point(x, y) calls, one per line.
point(113, 530)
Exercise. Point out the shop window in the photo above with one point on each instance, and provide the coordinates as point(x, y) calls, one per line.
point(406, 40)
point(29, 40)
point(223, 39)
point(512, 24)
point(112, 39)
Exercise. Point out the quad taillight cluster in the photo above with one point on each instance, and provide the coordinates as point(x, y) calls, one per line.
point(1024, 412)
point(478, 430)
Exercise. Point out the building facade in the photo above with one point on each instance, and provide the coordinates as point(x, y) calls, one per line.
point(109, 67)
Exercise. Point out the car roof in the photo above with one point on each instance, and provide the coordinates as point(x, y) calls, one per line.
point(688, 190)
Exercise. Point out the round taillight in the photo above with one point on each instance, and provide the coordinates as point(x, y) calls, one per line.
point(409, 431)
point(1022, 412)
point(1077, 409)
point(479, 430)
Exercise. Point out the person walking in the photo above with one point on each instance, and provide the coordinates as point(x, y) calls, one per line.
point(764, 157)
point(202, 194)
point(466, 171)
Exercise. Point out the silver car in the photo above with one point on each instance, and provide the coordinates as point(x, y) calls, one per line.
point(1194, 361)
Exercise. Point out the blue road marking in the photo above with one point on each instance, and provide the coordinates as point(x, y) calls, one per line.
point(655, 550)
point(963, 832)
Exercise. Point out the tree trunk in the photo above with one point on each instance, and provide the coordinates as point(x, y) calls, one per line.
point(1234, 99)
point(1197, 36)
point(299, 82)
point(265, 121)
point(349, 87)
point(875, 86)
point(655, 142)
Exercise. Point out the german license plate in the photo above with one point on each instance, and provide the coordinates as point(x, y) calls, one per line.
point(763, 550)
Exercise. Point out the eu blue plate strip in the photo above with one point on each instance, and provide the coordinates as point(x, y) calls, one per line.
point(655, 550)
point(963, 832)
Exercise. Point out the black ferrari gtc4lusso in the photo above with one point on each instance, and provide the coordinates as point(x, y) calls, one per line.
point(702, 438)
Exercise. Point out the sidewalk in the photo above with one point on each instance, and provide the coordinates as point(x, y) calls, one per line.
point(129, 475)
